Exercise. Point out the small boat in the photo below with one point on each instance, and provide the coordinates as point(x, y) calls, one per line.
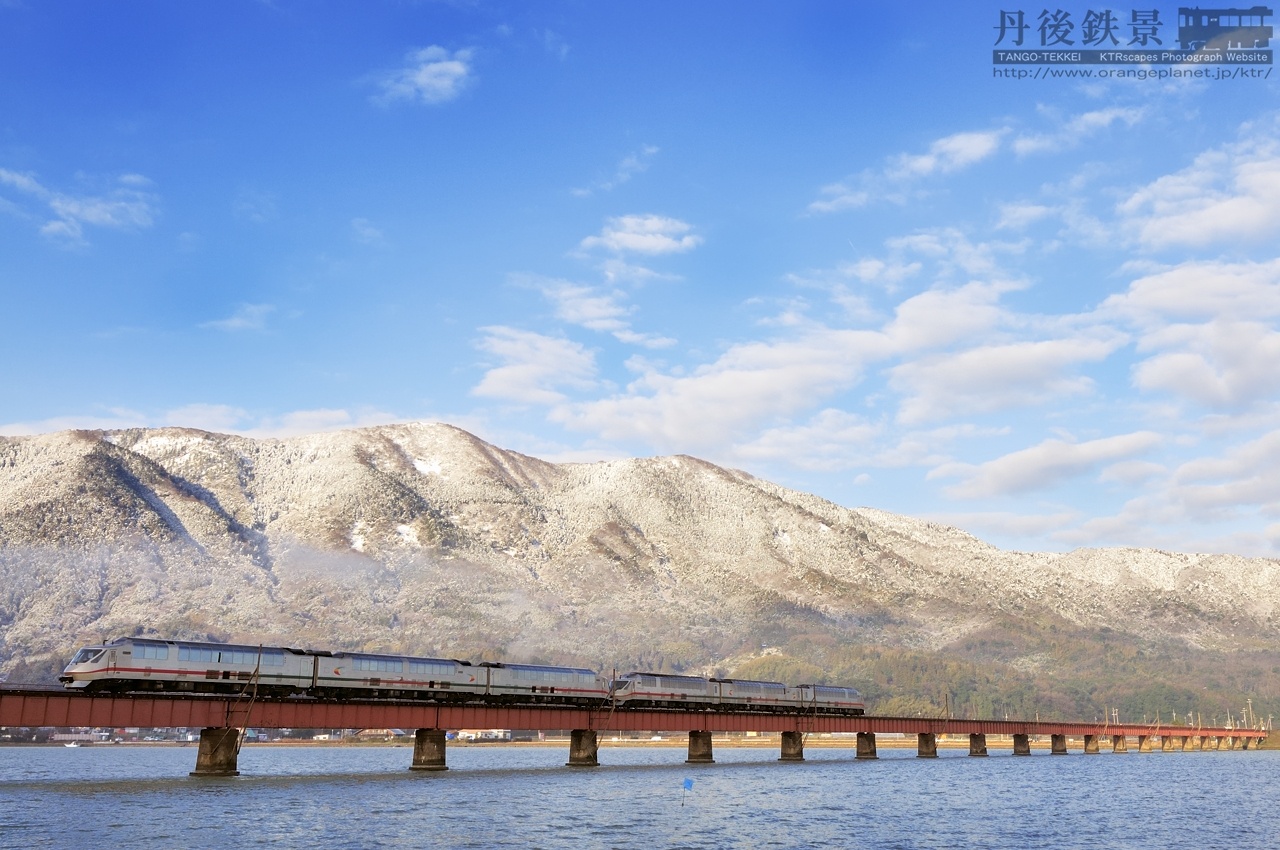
point(73, 744)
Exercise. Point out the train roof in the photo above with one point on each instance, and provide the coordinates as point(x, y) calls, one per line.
point(391, 657)
point(543, 667)
point(666, 676)
point(202, 644)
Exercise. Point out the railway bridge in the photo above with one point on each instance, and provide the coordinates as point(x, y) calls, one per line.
point(222, 717)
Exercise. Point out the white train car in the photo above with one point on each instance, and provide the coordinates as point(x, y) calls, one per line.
point(147, 664)
point(348, 674)
point(542, 683)
point(755, 695)
point(664, 690)
point(829, 699)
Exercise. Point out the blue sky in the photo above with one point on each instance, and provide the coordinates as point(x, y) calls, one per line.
point(817, 241)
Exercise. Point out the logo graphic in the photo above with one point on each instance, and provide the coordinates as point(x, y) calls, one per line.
point(1143, 37)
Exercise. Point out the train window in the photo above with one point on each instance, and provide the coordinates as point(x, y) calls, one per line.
point(439, 668)
point(196, 653)
point(158, 652)
point(380, 665)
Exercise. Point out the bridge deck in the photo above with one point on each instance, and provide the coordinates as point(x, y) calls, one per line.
point(68, 708)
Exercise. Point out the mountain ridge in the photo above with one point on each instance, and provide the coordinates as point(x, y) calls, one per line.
point(421, 537)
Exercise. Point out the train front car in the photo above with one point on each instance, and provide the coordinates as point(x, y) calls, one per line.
point(664, 690)
point(89, 667)
point(830, 699)
point(138, 664)
point(536, 683)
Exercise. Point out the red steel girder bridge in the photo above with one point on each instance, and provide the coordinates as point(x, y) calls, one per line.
point(216, 714)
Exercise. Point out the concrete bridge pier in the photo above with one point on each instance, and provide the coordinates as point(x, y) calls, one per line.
point(700, 748)
point(1022, 745)
point(583, 748)
point(1182, 743)
point(219, 750)
point(1144, 743)
point(1166, 743)
point(926, 745)
point(1058, 745)
point(977, 744)
point(792, 746)
point(867, 745)
point(1091, 745)
point(1119, 744)
point(428, 750)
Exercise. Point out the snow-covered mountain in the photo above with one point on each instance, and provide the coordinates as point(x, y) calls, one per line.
point(423, 538)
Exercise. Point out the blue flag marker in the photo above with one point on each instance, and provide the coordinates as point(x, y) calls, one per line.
point(688, 785)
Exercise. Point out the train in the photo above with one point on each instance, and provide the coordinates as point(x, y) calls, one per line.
point(134, 664)
point(1216, 29)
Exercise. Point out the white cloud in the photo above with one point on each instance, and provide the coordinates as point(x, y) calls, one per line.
point(555, 44)
point(833, 439)
point(995, 377)
point(1042, 466)
point(126, 204)
point(1072, 131)
point(644, 234)
point(1221, 364)
point(247, 317)
point(1202, 290)
point(533, 366)
point(947, 154)
point(590, 308)
point(107, 420)
point(1022, 215)
point(891, 181)
point(631, 165)
point(749, 384)
point(256, 206)
point(1208, 332)
point(1244, 476)
point(431, 75)
point(1133, 472)
point(941, 317)
point(841, 196)
point(1229, 195)
point(219, 418)
point(617, 270)
point(1212, 503)
point(365, 232)
point(1025, 525)
point(871, 269)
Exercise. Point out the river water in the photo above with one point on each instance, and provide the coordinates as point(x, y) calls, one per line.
point(521, 796)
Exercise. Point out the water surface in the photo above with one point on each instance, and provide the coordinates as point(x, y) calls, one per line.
point(517, 796)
